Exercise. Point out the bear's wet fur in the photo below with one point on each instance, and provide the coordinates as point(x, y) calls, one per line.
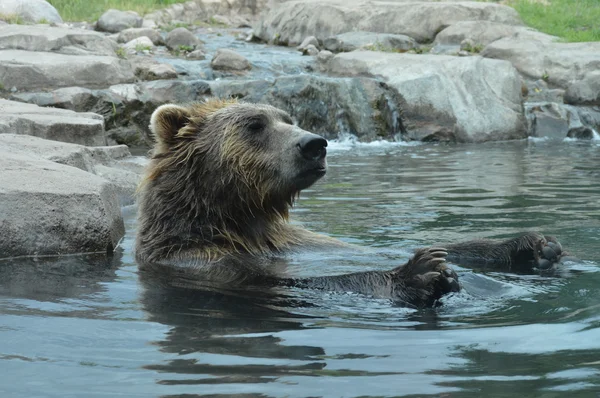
point(214, 207)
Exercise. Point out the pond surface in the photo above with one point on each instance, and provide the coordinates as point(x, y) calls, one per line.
point(86, 327)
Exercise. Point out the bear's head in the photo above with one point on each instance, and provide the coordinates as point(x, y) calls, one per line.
point(223, 169)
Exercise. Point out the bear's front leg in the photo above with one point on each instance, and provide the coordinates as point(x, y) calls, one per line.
point(424, 279)
point(526, 253)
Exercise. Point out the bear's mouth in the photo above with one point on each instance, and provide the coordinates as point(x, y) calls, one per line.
point(308, 177)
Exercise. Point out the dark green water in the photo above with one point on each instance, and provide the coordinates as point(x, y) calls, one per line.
point(85, 327)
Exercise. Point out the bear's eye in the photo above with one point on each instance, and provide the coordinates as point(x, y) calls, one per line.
point(256, 125)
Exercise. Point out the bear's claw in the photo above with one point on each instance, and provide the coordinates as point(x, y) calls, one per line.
point(548, 253)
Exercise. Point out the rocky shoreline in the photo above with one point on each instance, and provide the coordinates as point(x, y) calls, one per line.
point(76, 96)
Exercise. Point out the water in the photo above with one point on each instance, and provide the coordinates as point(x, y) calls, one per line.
point(85, 327)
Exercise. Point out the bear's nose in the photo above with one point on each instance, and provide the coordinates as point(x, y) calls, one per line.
point(312, 147)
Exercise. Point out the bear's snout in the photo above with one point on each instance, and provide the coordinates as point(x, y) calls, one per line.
point(312, 147)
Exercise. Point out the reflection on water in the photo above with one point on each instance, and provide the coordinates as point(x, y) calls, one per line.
point(74, 327)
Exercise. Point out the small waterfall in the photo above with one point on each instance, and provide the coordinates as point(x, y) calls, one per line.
point(595, 135)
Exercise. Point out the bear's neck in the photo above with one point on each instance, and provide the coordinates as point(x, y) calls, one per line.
point(203, 222)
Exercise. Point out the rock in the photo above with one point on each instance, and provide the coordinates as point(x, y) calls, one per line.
point(149, 69)
point(54, 124)
point(581, 133)
point(549, 120)
point(196, 54)
point(538, 91)
point(113, 163)
point(181, 37)
point(310, 50)
point(127, 35)
point(31, 11)
point(327, 106)
point(29, 70)
point(310, 40)
point(126, 108)
point(569, 66)
point(351, 41)
point(225, 59)
point(57, 40)
point(48, 208)
point(114, 21)
point(482, 33)
point(585, 91)
point(468, 99)
point(291, 21)
point(139, 45)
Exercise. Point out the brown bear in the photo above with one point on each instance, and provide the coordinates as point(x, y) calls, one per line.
point(215, 201)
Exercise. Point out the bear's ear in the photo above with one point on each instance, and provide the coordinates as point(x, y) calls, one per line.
point(167, 120)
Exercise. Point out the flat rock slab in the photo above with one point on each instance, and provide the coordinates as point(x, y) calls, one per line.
point(464, 99)
point(54, 39)
point(572, 66)
point(51, 209)
point(51, 123)
point(290, 22)
point(27, 70)
point(351, 41)
point(113, 163)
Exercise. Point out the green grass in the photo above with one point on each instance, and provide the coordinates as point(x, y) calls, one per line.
point(12, 19)
point(571, 20)
point(90, 10)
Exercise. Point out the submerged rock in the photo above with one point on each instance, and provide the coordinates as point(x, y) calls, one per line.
point(468, 99)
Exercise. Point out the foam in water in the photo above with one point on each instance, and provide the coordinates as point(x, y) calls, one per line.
point(346, 142)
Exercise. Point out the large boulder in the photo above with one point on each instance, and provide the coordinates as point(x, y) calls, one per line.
point(54, 124)
point(48, 208)
point(464, 99)
point(26, 70)
point(329, 106)
point(31, 11)
point(482, 33)
point(114, 21)
point(351, 41)
point(204, 10)
point(113, 163)
point(53, 39)
point(290, 22)
point(571, 66)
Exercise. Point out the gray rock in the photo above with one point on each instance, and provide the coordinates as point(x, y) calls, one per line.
point(126, 108)
point(149, 69)
point(469, 99)
point(482, 33)
point(562, 65)
point(181, 37)
point(53, 39)
point(54, 124)
point(196, 54)
point(225, 59)
point(327, 106)
point(139, 44)
point(133, 33)
point(29, 70)
point(581, 133)
point(585, 91)
point(538, 91)
point(31, 11)
point(310, 50)
point(549, 120)
point(310, 40)
point(114, 21)
point(291, 21)
point(351, 41)
point(236, 11)
point(48, 208)
point(113, 163)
